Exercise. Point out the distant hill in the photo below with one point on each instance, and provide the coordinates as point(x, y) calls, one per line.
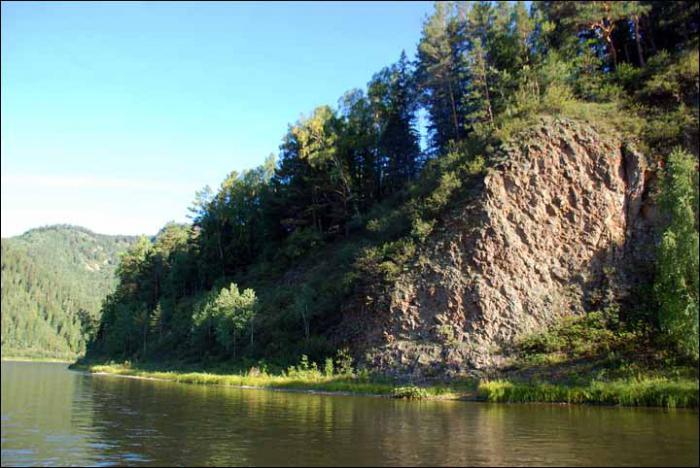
point(54, 279)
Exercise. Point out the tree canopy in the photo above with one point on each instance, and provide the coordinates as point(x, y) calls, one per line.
point(355, 188)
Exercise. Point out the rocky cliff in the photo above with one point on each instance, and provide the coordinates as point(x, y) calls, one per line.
point(549, 235)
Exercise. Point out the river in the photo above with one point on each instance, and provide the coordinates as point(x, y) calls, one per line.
point(54, 416)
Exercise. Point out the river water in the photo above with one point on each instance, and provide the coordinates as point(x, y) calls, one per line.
point(54, 416)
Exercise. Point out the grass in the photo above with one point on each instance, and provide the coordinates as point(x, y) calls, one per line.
point(294, 379)
point(582, 360)
point(663, 392)
point(652, 391)
point(595, 359)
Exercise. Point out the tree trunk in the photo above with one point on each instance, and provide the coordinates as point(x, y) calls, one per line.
point(611, 46)
point(221, 251)
point(209, 332)
point(454, 108)
point(316, 219)
point(306, 324)
point(145, 329)
point(635, 21)
point(650, 34)
point(489, 111)
point(346, 193)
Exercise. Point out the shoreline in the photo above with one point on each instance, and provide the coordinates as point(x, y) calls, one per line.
point(650, 392)
point(36, 359)
point(310, 391)
point(325, 386)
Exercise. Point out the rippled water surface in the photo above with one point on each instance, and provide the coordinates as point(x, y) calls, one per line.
point(53, 416)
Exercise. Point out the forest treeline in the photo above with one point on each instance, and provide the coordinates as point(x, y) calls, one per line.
point(272, 255)
point(54, 280)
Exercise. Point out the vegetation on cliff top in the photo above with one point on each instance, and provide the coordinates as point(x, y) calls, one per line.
point(353, 196)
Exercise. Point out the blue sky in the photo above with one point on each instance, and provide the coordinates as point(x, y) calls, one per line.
point(114, 113)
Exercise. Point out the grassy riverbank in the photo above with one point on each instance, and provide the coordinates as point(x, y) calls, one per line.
point(663, 392)
point(293, 379)
point(640, 391)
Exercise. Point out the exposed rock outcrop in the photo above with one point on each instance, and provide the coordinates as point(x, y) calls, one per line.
point(548, 231)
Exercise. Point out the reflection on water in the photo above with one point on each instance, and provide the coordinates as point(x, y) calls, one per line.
point(52, 416)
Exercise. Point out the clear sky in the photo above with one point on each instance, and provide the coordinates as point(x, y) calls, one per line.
point(114, 113)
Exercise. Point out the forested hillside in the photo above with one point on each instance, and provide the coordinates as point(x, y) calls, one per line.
point(278, 257)
point(54, 280)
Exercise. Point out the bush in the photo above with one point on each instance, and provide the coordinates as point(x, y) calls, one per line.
point(586, 336)
point(410, 392)
point(677, 280)
point(422, 229)
point(300, 242)
point(343, 362)
point(328, 367)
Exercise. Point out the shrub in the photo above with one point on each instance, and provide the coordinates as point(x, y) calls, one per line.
point(584, 336)
point(328, 367)
point(445, 333)
point(410, 392)
point(343, 362)
point(300, 242)
point(422, 229)
point(677, 280)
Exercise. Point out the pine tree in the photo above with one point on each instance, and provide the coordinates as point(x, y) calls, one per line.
point(439, 66)
point(393, 97)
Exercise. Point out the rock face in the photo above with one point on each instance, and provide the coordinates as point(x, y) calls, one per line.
point(546, 238)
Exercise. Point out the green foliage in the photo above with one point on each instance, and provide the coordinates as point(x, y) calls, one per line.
point(233, 312)
point(669, 89)
point(422, 229)
point(671, 79)
point(449, 182)
point(677, 281)
point(53, 281)
point(352, 198)
point(300, 243)
point(637, 392)
point(642, 391)
point(328, 367)
point(388, 259)
point(591, 334)
point(439, 66)
point(446, 333)
point(410, 393)
point(343, 362)
point(221, 317)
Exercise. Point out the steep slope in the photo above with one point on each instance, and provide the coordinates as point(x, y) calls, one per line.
point(51, 277)
point(547, 237)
